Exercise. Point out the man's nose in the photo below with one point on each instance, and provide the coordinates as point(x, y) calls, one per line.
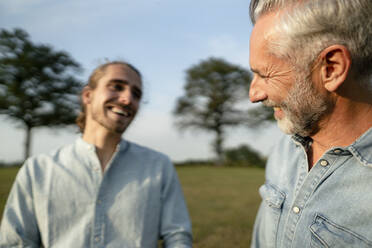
point(256, 91)
point(126, 97)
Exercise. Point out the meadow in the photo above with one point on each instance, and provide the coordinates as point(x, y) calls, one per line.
point(222, 202)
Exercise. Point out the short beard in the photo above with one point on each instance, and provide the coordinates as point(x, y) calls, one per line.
point(303, 108)
point(112, 127)
point(117, 129)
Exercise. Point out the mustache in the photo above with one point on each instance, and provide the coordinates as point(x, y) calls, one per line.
point(270, 103)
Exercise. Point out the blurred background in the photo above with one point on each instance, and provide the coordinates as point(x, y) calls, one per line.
point(163, 38)
point(194, 57)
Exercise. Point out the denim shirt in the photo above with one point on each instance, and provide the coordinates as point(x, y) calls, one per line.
point(328, 206)
point(65, 200)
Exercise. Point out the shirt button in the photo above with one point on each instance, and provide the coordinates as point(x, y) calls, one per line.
point(99, 201)
point(97, 239)
point(296, 210)
point(324, 163)
point(337, 151)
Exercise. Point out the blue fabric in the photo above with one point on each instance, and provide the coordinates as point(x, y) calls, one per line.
point(328, 206)
point(64, 200)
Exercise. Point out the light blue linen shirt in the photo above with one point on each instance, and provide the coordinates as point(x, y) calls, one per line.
point(328, 206)
point(64, 200)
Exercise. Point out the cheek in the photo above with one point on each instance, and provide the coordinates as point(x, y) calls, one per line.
point(98, 102)
point(277, 91)
point(108, 95)
point(105, 97)
point(283, 84)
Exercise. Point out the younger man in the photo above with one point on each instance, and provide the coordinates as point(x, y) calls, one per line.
point(101, 191)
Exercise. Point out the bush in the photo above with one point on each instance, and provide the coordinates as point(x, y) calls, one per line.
point(11, 164)
point(194, 162)
point(244, 155)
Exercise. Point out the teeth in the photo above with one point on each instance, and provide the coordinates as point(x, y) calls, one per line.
point(119, 111)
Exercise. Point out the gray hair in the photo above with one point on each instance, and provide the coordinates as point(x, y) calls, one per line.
point(307, 27)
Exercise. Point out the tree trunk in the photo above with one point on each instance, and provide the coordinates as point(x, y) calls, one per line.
point(218, 147)
point(27, 142)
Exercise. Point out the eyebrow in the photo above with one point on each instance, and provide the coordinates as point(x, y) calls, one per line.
point(120, 81)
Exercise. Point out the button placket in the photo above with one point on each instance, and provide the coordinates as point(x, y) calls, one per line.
point(303, 194)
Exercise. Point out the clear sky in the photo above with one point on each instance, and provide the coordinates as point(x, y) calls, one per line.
point(162, 38)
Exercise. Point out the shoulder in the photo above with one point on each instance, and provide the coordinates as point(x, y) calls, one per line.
point(42, 163)
point(362, 149)
point(146, 160)
point(54, 155)
point(143, 152)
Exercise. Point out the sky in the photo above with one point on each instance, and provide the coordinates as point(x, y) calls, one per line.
point(162, 38)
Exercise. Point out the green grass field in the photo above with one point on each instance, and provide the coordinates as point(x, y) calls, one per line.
point(7, 176)
point(222, 202)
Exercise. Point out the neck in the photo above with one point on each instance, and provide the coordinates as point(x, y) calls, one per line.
point(104, 141)
point(347, 122)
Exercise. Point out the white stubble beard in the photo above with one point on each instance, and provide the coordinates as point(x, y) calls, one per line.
point(303, 107)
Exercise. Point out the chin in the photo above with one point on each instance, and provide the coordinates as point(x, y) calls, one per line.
point(289, 127)
point(116, 128)
point(286, 126)
point(120, 130)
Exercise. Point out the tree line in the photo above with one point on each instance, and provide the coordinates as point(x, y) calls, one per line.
point(39, 87)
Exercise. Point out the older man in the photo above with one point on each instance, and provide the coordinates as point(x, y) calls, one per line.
point(101, 191)
point(312, 62)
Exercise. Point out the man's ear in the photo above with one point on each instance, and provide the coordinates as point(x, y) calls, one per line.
point(335, 66)
point(86, 95)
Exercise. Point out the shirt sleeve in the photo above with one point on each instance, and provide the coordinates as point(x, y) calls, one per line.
point(19, 227)
point(175, 226)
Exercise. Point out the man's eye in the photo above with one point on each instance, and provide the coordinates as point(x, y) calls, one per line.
point(261, 75)
point(117, 87)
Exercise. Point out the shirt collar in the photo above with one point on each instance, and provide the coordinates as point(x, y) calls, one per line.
point(302, 141)
point(361, 148)
point(81, 143)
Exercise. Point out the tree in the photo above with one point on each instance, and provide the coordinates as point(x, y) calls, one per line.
point(213, 91)
point(244, 155)
point(37, 86)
